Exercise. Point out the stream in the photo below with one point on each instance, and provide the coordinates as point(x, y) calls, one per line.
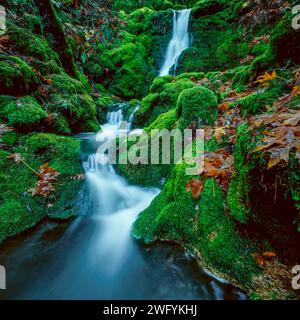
point(94, 256)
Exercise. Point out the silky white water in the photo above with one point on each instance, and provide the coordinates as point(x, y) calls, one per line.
point(118, 203)
point(179, 42)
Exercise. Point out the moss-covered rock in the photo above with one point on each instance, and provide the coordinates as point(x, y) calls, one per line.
point(162, 101)
point(64, 84)
point(16, 76)
point(172, 215)
point(194, 76)
point(238, 194)
point(19, 211)
point(102, 107)
point(24, 114)
point(159, 82)
point(79, 110)
point(197, 105)
point(32, 45)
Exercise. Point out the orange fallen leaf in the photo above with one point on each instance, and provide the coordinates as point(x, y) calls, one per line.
point(267, 77)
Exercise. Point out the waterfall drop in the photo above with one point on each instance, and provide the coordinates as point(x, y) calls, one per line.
point(179, 42)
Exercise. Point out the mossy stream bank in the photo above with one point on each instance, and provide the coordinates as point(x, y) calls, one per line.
point(63, 67)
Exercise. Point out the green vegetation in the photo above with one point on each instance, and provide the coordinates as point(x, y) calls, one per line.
point(19, 210)
point(63, 66)
point(197, 105)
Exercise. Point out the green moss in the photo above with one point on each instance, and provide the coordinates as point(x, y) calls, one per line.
point(193, 60)
point(242, 76)
point(258, 102)
point(206, 7)
point(102, 104)
point(219, 244)
point(197, 105)
point(159, 82)
point(19, 211)
point(238, 194)
point(60, 124)
point(164, 121)
point(64, 84)
point(24, 113)
point(191, 75)
point(79, 110)
point(172, 215)
point(9, 138)
point(16, 76)
point(171, 92)
point(148, 105)
point(32, 45)
point(232, 50)
point(278, 51)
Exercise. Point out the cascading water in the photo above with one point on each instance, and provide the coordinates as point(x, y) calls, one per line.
point(94, 256)
point(179, 42)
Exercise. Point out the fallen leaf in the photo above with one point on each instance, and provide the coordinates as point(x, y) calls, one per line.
point(267, 77)
point(17, 157)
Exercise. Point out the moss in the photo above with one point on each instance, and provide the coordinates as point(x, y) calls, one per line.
point(9, 138)
point(159, 82)
point(79, 110)
point(60, 124)
point(102, 104)
point(53, 29)
point(278, 52)
point(19, 211)
point(238, 194)
point(148, 105)
point(127, 68)
point(64, 84)
point(24, 113)
point(219, 243)
point(197, 105)
point(32, 45)
point(232, 50)
point(16, 76)
point(172, 214)
point(242, 76)
point(282, 34)
point(193, 60)
point(258, 102)
point(164, 121)
point(191, 75)
point(171, 92)
point(206, 7)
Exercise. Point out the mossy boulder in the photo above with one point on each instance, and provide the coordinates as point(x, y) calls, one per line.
point(32, 45)
point(162, 101)
point(172, 215)
point(24, 113)
point(20, 211)
point(220, 244)
point(159, 82)
point(79, 109)
point(16, 76)
point(197, 105)
point(194, 76)
point(102, 107)
point(64, 84)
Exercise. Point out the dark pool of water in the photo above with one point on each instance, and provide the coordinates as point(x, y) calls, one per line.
point(54, 261)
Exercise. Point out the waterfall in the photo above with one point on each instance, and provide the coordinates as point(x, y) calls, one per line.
point(117, 203)
point(179, 42)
